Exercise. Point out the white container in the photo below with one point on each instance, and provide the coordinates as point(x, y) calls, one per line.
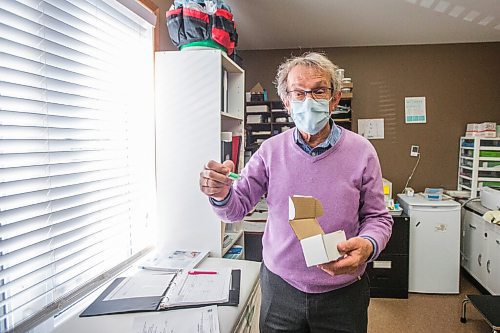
point(340, 73)
point(490, 198)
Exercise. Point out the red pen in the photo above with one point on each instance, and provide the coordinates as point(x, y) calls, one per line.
point(201, 272)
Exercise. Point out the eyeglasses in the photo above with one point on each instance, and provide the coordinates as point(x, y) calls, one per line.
point(317, 93)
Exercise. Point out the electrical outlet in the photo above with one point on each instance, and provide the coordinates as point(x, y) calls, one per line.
point(414, 151)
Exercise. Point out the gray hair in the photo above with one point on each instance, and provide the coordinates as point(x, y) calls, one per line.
point(310, 59)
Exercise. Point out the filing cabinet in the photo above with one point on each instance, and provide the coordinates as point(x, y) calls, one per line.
point(389, 273)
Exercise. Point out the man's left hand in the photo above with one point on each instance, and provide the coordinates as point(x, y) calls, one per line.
point(356, 252)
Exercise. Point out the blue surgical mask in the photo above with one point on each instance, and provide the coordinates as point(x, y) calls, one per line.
point(310, 115)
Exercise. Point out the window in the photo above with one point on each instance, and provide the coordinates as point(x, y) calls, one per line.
point(76, 146)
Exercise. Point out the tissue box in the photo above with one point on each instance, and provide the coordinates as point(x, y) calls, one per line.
point(318, 247)
point(433, 193)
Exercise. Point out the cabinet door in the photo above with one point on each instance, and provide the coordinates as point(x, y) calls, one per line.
point(434, 260)
point(493, 261)
point(473, 244)
point(398, 243)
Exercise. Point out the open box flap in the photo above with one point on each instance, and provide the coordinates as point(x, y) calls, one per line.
point(304, 207)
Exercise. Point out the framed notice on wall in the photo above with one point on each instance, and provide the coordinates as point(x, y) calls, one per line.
point(415, 110)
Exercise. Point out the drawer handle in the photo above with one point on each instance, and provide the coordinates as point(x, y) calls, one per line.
point(479, 259)
point(488, 266)
point(498, 242)
point(472, 226)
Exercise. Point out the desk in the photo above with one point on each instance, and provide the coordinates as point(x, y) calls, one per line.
point(231, 318)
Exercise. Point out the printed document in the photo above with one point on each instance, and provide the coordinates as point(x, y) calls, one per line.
point(194, 320)
point(173, 261)
point(192, 289)
point(142, 284)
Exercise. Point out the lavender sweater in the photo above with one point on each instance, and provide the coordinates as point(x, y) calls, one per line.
point(346, 179)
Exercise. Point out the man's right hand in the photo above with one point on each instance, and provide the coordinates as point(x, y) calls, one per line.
point(214, 181)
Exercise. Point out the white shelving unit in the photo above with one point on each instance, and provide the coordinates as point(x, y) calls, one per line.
point(479, 164)
point(199, 94)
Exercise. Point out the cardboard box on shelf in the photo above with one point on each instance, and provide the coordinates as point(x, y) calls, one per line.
point(257, 93)
point(484, 130)
point(318, 247)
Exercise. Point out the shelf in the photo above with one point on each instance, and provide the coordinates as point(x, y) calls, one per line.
point(260, 136)
point(481, 171)
point(287, 123)
point(346, 96)
point(479, 138)
point(229, 64)
point(341, 120)
point(258, 103)
point(347, 85)
point(495, 168)
point(230, 116)
point(257, 112)
point(488, 179)
point(258, 124)
point(234, 236)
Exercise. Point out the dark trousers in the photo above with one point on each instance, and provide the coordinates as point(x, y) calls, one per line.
point(287, 309)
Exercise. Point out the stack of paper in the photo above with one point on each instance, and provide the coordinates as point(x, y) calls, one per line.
point(174, 261)
point(200, 320)
point(199, 287)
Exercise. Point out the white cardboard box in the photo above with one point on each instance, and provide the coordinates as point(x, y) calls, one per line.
point(318, 247)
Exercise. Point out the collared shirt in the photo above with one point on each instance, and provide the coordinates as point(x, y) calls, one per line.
point(330, 141)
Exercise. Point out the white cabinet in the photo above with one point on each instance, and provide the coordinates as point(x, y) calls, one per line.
point(481, 250)
point(199, 94)
point(434, 253)
point(479, 164)
point(493, 258)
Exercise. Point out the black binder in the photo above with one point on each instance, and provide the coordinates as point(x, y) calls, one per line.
point(146, 304)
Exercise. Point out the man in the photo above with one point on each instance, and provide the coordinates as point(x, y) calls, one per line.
point(334, 165)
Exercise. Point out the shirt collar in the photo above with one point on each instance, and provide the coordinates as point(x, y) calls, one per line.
point(332, 138)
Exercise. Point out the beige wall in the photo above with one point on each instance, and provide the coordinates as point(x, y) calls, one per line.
point(461, 83)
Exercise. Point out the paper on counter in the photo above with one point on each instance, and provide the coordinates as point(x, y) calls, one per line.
point(190, 289)
point(141, 284)
point(195, 320)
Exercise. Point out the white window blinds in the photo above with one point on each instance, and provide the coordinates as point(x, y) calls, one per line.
point(76, 146)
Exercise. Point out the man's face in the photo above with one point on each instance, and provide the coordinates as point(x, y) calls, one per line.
point(309, 78)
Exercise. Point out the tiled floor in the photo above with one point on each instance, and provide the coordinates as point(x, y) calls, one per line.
point(422, 313)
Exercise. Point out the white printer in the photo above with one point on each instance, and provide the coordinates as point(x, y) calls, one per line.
point(490, 198)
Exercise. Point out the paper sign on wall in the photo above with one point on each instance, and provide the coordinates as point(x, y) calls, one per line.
point(415, 110)
point(371, 128)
